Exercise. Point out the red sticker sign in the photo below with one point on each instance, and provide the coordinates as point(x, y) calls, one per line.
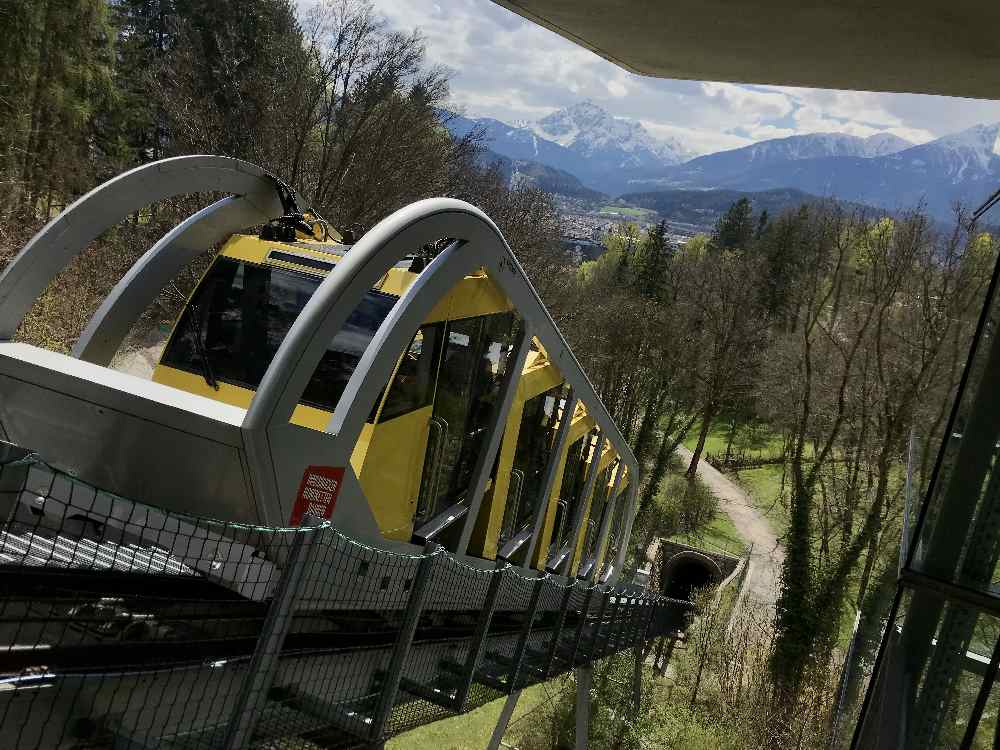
point(317, 492)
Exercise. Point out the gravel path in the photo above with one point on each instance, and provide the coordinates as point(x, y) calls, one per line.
point(768, 556)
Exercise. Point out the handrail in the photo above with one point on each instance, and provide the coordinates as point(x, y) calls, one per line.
point(513, 507)
point(432, 477)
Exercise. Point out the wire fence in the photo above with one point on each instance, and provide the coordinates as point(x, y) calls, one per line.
point(124, 625)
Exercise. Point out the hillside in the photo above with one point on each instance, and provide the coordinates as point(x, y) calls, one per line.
point(549, 179)
point(703, 207)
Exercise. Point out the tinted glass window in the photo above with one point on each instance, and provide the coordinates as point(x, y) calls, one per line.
point(597, 506)
point(473, 365)
point(413, 385)
point(239, 316)
point(571, 490)
point(531, 455)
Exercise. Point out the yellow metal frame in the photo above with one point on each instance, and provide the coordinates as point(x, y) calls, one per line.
point(379, 445)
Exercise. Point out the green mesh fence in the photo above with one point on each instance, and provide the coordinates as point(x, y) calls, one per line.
point(127, 626)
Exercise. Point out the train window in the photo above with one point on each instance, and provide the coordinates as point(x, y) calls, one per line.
point(601, 491)
point(531, 455)
point(473, 364)
point(413, 385)
point(240, 314)
point(571, 490)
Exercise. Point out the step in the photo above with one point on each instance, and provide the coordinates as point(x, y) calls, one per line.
point(354, 720)
point(444, 697)
point(483, 675)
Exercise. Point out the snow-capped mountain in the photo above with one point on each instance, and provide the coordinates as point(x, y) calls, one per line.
point(883, 144)
point(515, 142)
point(595, 134)
point(614, 156)
point(963, 167)
point(606, 153)
point(725, 166)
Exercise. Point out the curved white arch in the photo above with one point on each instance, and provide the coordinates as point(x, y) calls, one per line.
point(275, 450)
point(108, 327)
point(478, 244)
point(63, 238)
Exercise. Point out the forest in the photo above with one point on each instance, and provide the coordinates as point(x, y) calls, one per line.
point(833, 335)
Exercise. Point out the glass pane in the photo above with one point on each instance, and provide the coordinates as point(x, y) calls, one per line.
point(571, 490)
point(986, 737)
point(597, 506)
point(531, 455)
point(473, 364)
point(240, 314)
point(615, 531)
point(960, 536)
point(413, 385)
point(932, 670)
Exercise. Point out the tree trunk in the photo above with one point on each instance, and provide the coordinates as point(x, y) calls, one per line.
point(706, 425)
point(729, 441)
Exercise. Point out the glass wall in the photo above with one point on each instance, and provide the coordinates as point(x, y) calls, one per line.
point(474, 362)
point(934, 679)
point(535, 440)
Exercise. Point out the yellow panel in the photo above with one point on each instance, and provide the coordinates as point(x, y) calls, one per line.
point(304, 416)
point(392, 468)
point(607, 457)
point(472, 296)
point(388, 457)
point(538, 379)
point(253, 249)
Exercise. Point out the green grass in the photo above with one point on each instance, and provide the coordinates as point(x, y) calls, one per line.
point(638, 213)
point(764, 486)
point(721, 534)
point(757, 441)
point(471, 730)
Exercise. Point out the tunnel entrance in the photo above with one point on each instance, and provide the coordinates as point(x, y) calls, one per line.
point(686, 572)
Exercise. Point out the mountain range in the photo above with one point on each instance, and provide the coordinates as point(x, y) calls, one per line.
point(605, 153)
point(613, 156)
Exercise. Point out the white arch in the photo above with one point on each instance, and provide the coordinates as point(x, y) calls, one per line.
point(65, 237)
point(108, 327)
point(478, 244)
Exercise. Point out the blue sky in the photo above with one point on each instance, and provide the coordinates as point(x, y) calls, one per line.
point(505, 67)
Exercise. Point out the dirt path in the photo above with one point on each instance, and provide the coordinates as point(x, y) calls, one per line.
point(768, 556)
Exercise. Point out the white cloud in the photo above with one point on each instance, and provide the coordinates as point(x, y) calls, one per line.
point(700, 141)
point(758, 105)
point(511, 69)
point(616, 88)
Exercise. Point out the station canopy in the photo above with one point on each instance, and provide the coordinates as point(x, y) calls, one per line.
point(917, 46)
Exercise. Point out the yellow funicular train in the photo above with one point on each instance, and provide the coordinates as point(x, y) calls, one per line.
point(415, 456)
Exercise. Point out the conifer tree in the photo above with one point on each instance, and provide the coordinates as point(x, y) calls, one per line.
point(735, 229)
point(650, 273)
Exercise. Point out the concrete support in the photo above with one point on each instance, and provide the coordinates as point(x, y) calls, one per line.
point(584, 679)
point(637, 677)
point(504, 720)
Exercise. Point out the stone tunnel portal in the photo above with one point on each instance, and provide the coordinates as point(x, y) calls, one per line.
point(685, 572)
